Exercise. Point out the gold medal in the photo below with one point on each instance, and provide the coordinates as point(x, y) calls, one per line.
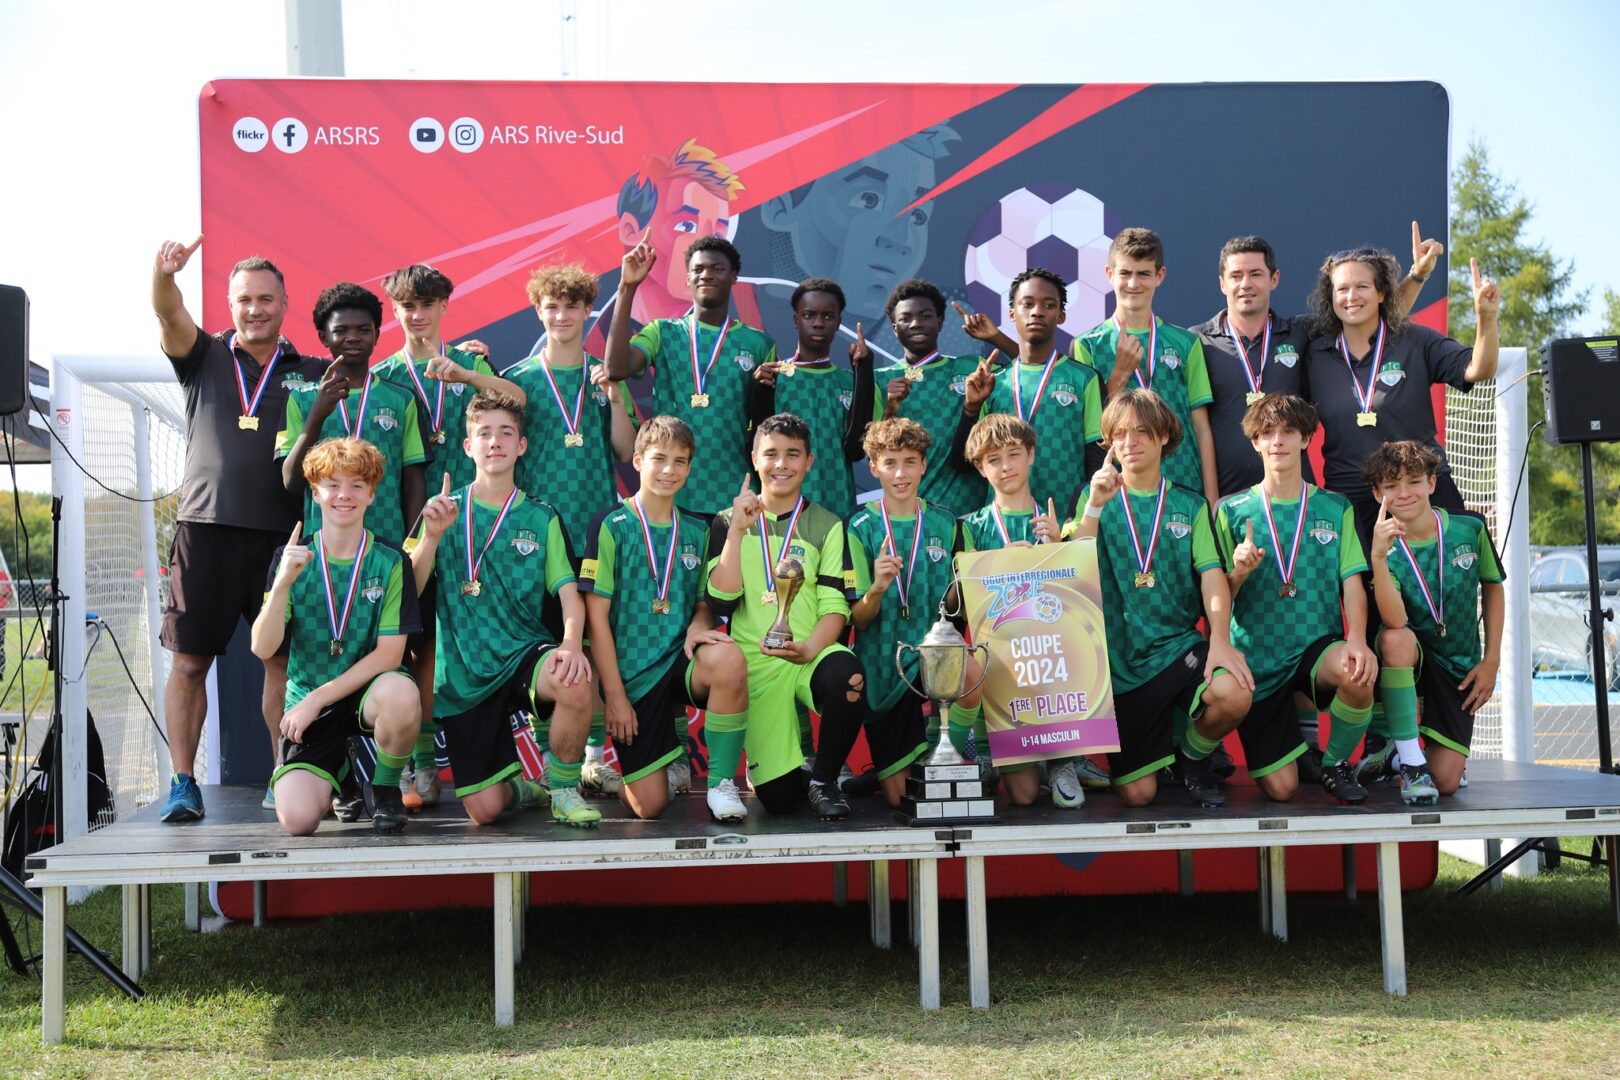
point(573, 438)
point(1144, 579)
point(410, 544)
point(660, 607)
point(247, 423)
point(472, 588)
point(438, 438)
point(914, 373)
point(336, 648)
point(905, 611)
point(1288, 590)
point(788, 369)
point(1253, 396)
point(700, 401)
point(768, 598)
point(1367, 419)
point(1442, 629)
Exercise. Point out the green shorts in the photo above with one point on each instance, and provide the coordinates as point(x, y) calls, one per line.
point(776, 688)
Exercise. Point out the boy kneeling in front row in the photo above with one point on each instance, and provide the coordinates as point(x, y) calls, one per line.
point(345, 625)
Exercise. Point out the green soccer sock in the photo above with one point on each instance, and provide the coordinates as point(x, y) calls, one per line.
point(389, 766)
point(542, 733)
point(1379, 722)
point(598, 735)
point(422, 754)
point(1346, 727)
point(525, 793)
point(807, 738)
point(1195, 745)
point(961, 723)
point(561, 774)
point(725, 732)
point(1400, 701)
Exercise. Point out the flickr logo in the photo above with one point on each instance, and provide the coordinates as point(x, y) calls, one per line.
point(250, 134)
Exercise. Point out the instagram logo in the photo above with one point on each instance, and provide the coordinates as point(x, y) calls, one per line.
point(466, 134)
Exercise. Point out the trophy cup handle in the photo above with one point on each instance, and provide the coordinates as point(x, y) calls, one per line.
point(984, 666)
point(900, 649)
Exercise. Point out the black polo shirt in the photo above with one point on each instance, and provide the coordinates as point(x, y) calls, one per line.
point(232, 476)
point(1281, 371)
point(1415, 361)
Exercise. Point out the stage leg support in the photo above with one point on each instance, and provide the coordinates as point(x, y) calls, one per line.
point(146, 928)
point(913, 909)
point(840, 884)
point(1184, 872)
point(1347, 861)
point(978, 934)
point(260, 898)
point(1390, 923)
point(505, 949)
point(877, 903)
point(520, 911)
point(193, 904)
point(1493, 852)
point(1611, 851)
point(53, 986)
point(928, 952)
point(130, 931)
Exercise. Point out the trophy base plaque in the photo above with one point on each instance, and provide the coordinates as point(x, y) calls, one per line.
point(945, 795)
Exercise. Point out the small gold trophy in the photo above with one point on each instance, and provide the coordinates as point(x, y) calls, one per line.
point(789, 580)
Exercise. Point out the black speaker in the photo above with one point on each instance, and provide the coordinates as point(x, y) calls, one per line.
point(1580, 383)
point(13, 350)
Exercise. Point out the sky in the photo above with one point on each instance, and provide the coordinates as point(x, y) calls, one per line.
point(99, 99)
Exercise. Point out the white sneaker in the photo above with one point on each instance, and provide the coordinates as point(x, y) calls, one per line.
point(599, 778)
point(845, 774)
point(680, 777)
point(725, 804)
point(1090, 776)
point(1067, 791)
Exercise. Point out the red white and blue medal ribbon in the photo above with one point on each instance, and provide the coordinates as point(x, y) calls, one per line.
point(339, 621)
point(700, 376)
point(1040, 391)
point(250, 405)
point(1286, 570)
point(360, 416)
point(1152, 358)
point(660, 579)
point(1364, 396)
point(1250, 375)
point(765, 547)
point(914, 372)
point(916, 545)
point(1435, 598)
point(1001, 524)
point(1144, 561)
point(435, 408)
point(573, 438)
point(471, 584)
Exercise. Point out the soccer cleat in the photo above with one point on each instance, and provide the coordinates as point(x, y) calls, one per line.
point(1376, 765)
point(827, 802)
point(725, 804)
point(1202, 786)
point(1221, 763)
point(269, 800)
point(1092, 775)
point(530, 793)
point(860, 786)
point(1417, 786)
point(1462, 781)
point(349, 803)
point(597, 777)
point(1067, 791)
point(184, 802)
point(569, 807)
point(1339, 781)
point(1310, 766)
point(387, 809)
point(679, 775)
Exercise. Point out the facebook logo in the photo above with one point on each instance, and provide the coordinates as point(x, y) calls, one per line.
point(289, 135)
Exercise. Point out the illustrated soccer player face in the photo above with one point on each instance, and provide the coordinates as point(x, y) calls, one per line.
point(686, 211)
point(258, 306)
point(1247, 284)
point(1037, 311)
point(351, 335)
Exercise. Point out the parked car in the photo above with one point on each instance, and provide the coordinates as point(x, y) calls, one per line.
point(1559, 607)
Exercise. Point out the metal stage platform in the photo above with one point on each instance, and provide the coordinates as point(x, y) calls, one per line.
point(240, 842)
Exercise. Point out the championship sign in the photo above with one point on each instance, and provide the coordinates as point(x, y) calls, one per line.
point(1047, 694)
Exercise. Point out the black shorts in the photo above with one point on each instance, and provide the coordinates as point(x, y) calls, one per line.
point(1270, 733)
point(217, 575)
point(899, 736)
point(1144, 714)
point(1440, 708)
point(325, 749)
point(425, 604)
point(657, 741)
point(479, 741)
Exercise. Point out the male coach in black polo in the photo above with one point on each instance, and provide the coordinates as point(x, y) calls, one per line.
point(234, 510)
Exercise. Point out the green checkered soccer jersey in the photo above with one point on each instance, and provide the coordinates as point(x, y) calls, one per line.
point(384, 605)
point(935, 402)
point(447, 453)
point(577, 480)
point(484, 638)
point(821, 397)
point(1150, 628)
point(1067, 418)
point(390, 424)
point(1273, 631)
point(930, 580)
point(721, 428)
point(979, 531)
point(829, 577)
point(616, 568)
point(1180, 377)
point(1470, 561)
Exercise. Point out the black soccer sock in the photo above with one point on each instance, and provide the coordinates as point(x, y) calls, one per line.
point(838, 689)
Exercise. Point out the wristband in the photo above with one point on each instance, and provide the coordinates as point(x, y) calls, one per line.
point(1092, 511)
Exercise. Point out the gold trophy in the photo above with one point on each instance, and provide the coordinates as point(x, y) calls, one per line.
point(789, 578)
point(946, 788)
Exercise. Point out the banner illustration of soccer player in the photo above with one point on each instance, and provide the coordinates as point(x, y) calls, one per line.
point(1047, 692)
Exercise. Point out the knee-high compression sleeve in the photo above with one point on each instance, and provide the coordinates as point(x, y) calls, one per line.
point(838, 689)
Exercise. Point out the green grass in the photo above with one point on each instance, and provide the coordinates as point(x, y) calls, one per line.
point(35, 674)
point(1525, 981)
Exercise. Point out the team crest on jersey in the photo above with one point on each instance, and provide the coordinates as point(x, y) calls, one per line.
point(1179, 526)
point(1463, 558)
point(1169, 359)
point(1286, 356)
point(294, 382)
point(385, 419)
point(847, 398)
point(458, 388)
point(689, 556)
point(1391, 374)
point(599, 396)
point(797, 551)
point(745, 360)
point(959, 386)
point(372, 591)
point(1324, 532)
point(525, 543)
point(935, 549)
point(1064, 394)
